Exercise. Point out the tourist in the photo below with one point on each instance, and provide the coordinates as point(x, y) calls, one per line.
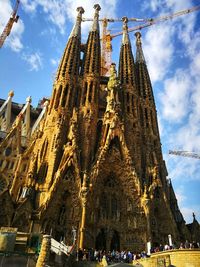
point(181, 246)
point(161, 247)
point(187, 244)
point(166, 247)
point(194, 244)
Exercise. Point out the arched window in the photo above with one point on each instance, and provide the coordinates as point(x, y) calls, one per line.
point(3, 184)
point(109, 203)
point(58, 97)
point(90, 92)
point(69, 174)
point(114, 207)
point(104, 206)
point(64, 96)
point(84, 94)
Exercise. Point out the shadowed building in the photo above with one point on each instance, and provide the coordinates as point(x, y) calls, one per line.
point(95, 163)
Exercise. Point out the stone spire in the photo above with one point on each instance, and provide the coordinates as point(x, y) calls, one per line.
point(126, 61)
point(76, 31)
point(69, 64)
point(90, 92)
point(129, 93)
point(95, 25)
point(142, 74)
point(139, 52)
point(65, 89)
point(125, 37)
point(152, 154)
point(92, 57)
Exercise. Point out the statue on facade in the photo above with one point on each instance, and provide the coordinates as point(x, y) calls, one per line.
point(112, 88)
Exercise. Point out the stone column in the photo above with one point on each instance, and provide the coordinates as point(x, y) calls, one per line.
point(146, 206)
point(84, 192)
point(43, 258)
point(8, 111)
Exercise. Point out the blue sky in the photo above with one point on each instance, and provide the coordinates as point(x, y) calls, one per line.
point(30, 56)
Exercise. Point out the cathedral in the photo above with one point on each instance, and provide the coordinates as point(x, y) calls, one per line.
point(94, 162)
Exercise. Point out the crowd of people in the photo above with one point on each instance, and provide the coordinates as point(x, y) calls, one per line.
point(110, 256)
point(184, 245)
point(128, 256)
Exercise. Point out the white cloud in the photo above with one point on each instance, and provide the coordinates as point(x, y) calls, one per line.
point(14, 39)
point(163, 5)
point(54, 61)
point(59, 11)
point(158, 50)
point(180, 194)
point(55, 10)
point(183, 169)
point(175, 97)
point(34, 60)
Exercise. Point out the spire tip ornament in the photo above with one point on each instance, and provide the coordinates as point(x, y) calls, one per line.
point(11, 93)
point(139, 53)
point(95, 26)
point(80, 10)
point(138, 38)
point(125, 37)
point(97, 7)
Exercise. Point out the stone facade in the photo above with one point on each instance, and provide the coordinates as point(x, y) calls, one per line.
point(176, 258)
point(95, 163)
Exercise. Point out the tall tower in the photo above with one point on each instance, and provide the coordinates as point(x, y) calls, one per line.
point(89, 101)
point(151, 153)
point(96, 162)
point(130, 98)
point(153, 169)
point(52, 149)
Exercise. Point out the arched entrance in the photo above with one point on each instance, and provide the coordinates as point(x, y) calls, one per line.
point(100, 243)
point(115, 241)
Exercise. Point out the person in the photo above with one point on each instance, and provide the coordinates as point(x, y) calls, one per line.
point(91, 254)
point(80, 254)
point(96, 255)
point(161, 248)
point(187, 244)
point(113, 255)
point(104, 261)
point(85, 254)
point(194, 244)
point(181, 246)
point(166, 247)
point(143, 254)
point(124, 257)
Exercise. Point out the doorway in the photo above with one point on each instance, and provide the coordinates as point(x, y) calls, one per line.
point(115, 241)
point(100, 243)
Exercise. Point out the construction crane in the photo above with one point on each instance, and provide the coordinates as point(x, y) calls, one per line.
point(107, 37)
point(13, 18)
point(107, 41)
point(185, 153)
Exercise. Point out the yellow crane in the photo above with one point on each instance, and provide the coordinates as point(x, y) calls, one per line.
point(185, 153)
point(107, 37)
point(13, 18)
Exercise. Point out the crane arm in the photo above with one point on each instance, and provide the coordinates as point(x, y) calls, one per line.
point(185, 154)
point(151, 22)
point(117, 19)
point(13, 18)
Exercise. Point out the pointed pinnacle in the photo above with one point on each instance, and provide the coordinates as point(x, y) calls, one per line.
point(125, 22)
point(139, 53)
point(95, 26)
point(138, 38)
point(11, 93)
point(97, 7)
point(80, 10)
point(125, 38)
point(76, 31)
